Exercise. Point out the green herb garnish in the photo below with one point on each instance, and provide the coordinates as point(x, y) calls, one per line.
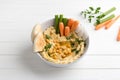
point(91, 8)
point(78, 40)
point(47, 36)
point(97, 10)
point(48, 46)
point(73, 50)
point(77, 51)
point(89, 13)
point(72, 44)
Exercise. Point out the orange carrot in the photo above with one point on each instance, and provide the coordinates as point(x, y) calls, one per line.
point(70, 22)
point(67, 30)
point(118, 36)
point(74, 25)
point(113, 21)
point(61, 27)
point(102, 24)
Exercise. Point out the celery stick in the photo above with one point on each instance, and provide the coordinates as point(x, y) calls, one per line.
point(105, 19)
point(56, 23)
point(106, 13)
point(65, 20)
point(61, 17)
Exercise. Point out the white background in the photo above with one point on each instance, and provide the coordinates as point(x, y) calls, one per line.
point(17, 62)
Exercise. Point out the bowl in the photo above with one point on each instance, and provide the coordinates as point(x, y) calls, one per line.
point(80, 31)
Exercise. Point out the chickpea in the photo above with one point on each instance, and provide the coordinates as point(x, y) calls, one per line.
point(60, 51)
point(65, 51)
point(54, 41)
point(57, 44)
point(58, 47)
point(50, 51)
point(47, 41)
point(68, 46)
point(54, 50)
point(69, 51)
point(51, 55)
point(55, 57)
point(57, 51)
point(63, 56)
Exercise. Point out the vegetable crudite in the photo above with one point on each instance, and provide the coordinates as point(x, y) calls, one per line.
point(118, 35)
point(59, 43)
point(99, 16)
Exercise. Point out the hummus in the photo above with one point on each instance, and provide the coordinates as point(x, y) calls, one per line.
point(62, 49)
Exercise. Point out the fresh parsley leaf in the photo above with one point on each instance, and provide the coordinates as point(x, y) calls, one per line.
point(47, 36)
point(98, 8)
point(85, 15)
point(48, 46)
point(77, 51)
point(90, 20)
point(81, 12)
point(91, 8)
point(73, 50)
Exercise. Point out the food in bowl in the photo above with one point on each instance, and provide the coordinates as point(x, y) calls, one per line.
point(60, 43)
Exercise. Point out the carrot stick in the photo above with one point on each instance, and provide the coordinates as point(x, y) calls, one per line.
point(74, 25)
point(67, 30)
point(102, 24)
point(118, 36)
point(113, 21)
point(61, 27)
point(70, 22)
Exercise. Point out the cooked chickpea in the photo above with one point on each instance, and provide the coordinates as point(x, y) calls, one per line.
point(50, 50)
point(47, 41)
point(54, 50)
point(57, 51)
point(55, 57)
point(63, 56)
point(68, 46)
point(66, 53)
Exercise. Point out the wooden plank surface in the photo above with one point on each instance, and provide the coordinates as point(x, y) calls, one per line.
point(17, 61)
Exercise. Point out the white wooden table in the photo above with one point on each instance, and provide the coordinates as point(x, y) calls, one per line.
point(17, 62)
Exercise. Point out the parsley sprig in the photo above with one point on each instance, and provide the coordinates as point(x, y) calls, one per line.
point(90, 13)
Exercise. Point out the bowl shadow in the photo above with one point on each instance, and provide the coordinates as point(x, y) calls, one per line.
point(32, 63)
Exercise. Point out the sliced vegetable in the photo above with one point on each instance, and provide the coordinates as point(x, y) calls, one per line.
point(106, 12)
point(112, 22)
point(56, 24)
point(74, 26)
point(118, 36)
point(65, 20)
point(61, 18)
point(67, 31)
point(70, 23)
point(61, 27)
point(105, 19)
point(102, 24)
